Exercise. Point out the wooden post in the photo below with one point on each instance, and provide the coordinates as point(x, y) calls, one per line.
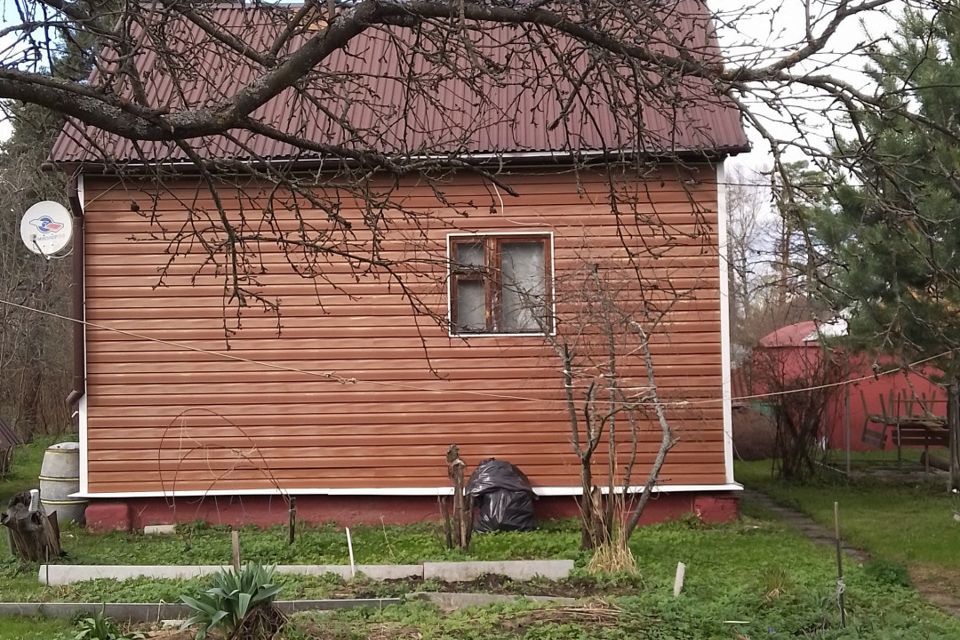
point(235, 549)
point(447, 526)
point(293, 519)
point(953, 422)
point(841, 587)
point(846, 428)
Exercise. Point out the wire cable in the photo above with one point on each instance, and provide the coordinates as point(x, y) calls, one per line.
point(329, 375)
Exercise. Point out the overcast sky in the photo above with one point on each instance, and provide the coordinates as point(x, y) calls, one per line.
point(766, 29)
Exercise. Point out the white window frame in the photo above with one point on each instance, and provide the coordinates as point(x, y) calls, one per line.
point(504, 232)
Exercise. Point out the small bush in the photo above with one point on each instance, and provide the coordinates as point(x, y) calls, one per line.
point(886, 572)
point(239, 604)
point(100, 627)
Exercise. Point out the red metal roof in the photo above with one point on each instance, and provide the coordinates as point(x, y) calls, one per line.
point(793, 335)
point(367, 82)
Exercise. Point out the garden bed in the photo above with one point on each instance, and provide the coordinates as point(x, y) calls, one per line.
point(756, 572)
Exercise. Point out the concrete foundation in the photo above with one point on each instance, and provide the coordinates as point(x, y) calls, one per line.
point(264, 511)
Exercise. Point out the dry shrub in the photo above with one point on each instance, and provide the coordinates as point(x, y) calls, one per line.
point(261, 623)
point(595, 614)
point(613, 555)
point(754, 434)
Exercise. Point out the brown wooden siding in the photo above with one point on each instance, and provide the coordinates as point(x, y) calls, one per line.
point(162, 416)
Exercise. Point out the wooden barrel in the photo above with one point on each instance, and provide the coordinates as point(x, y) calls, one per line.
point(60, 477)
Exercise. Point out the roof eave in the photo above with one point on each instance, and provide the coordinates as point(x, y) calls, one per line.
point(514, 158)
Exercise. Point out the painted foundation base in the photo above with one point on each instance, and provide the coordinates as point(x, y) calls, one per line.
point(264, 511)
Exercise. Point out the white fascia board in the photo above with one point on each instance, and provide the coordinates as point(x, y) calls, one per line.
point(397, 492)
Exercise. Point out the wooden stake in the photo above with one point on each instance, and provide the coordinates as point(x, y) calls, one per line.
point(447, 526)
point(953, 423)
point(353, 564)
point(678, 579)
point(846, 430)
point(841, 587)
point(235, 544)
point(293, 518)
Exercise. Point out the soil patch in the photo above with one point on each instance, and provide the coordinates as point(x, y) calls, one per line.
point(938, 586)
point(594, 616)
point(577, 587)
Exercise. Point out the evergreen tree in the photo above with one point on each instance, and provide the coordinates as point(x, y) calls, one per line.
point(892, 244)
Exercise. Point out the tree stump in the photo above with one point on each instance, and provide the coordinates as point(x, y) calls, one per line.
point(33, 536)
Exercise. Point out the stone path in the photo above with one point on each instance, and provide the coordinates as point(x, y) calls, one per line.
point(804, 523)
point(930, 590)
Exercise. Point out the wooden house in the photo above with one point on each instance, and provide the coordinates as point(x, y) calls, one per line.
point(349, 396)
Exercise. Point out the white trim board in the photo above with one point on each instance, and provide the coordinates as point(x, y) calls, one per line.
point(396, 492)
point(82, 403)
point(725, 347)
point(507, 155)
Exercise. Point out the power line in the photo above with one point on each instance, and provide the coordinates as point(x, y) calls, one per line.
point(326, 375)
point(334, 377)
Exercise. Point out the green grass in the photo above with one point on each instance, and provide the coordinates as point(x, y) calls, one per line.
point(756, 571)
point(34, 629)
point(885, 459)
point(203, 544)
point(647, 615)
point(906, 523)
point(326, 544)
point(910, 524)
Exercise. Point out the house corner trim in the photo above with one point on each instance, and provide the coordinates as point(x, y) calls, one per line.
point(725, 343)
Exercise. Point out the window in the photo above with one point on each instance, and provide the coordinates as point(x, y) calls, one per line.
point(500, 284)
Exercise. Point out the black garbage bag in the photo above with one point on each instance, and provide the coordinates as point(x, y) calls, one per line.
point(503, 497)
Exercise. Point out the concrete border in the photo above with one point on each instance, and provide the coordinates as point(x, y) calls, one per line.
point(150, 612)
point(513, 569)
point(62, 574)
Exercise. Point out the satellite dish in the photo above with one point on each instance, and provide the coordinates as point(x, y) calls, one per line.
point(46, 228)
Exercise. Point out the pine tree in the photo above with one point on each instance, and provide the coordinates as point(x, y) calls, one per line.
point(893, 242)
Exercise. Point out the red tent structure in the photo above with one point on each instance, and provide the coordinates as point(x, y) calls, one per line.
point(871, 403)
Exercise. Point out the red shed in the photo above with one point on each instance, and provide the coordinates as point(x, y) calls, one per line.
point(866, 386)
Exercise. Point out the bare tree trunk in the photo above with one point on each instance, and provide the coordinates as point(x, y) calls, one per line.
point(667, 439)
point(953, 420)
